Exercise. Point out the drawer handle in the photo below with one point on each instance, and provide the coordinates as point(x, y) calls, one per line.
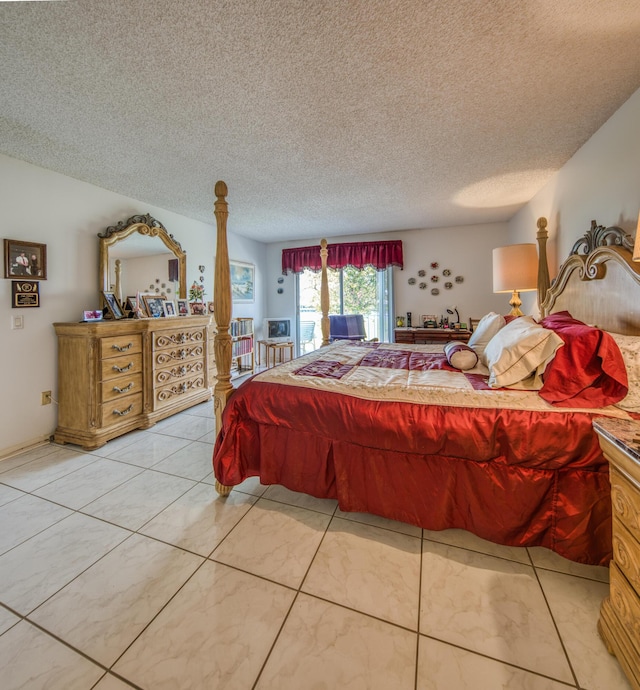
point(126, 389)
point(121, 370)
point(124, 412)
point(122, 349)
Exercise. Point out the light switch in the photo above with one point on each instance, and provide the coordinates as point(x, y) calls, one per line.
point(17, 322)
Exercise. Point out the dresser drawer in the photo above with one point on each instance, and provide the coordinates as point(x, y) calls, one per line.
point(178, 355)
point(126, 365)
point(625, 603)
point(119, 387)
point(174, 390)
point(177, 372)
point(120, 344)
point(626, 554)
point(625, 501)
point(176, 339)
point(116, 411)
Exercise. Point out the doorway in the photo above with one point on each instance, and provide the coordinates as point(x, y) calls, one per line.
point(351, 291)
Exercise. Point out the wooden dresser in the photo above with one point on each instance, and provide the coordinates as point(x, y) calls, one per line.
point(115, 376)
point(619, 623)
point(424, 336)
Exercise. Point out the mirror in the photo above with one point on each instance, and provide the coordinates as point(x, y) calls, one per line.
point(135, 254)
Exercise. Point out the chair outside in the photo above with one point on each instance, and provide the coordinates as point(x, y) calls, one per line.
point(307, 332)
point(346, 327)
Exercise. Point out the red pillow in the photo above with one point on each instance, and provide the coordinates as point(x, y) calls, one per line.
point(588, 371)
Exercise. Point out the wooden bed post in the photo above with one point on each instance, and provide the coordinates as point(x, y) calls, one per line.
point(324, 293)
point(222, 311)
point(543, 268)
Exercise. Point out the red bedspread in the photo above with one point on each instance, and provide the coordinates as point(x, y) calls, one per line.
point(513, 476)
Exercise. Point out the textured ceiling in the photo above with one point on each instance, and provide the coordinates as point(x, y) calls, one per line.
point(324, 117)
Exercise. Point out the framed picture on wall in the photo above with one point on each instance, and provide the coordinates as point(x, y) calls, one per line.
point(25, 260)
point(242, 282)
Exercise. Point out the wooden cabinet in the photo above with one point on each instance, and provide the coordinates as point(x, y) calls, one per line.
point(242, 346)
point(426, 336)
point(115, 376)
point(619, 623)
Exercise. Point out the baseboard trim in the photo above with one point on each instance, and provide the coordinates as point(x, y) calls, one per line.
point(7, 453)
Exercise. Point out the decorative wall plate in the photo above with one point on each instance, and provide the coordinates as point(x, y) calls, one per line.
point(446, 272)
point(435, 291)
point(422, 273)
point(434, 279)
point(412, 281)
point(459, 279)
point(434, 265)
point(422, 286)
point(448, 286)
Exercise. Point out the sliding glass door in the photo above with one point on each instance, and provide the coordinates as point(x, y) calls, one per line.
point(351, 291)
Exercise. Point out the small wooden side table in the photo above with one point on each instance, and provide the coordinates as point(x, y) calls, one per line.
point(275, 349)
point(620, 611)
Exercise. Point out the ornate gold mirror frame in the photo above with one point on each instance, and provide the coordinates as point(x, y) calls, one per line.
point(146, 226)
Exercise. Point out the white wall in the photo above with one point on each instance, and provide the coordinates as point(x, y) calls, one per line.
point(465, 250)
point(41, 206)
point(600, 182)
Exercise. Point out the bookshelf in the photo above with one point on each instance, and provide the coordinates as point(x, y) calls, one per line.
point(242, 346)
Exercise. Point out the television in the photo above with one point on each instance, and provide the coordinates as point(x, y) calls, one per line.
point(277, 330)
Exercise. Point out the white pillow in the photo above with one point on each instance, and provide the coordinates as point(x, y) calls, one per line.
point(629, 346)
point(460, 355)
point(518, 354)
point(487, 327)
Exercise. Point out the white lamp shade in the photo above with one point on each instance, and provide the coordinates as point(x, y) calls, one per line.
point(636, 248)
point(515, 268)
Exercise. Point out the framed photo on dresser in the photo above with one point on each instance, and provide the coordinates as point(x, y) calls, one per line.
point(114, 310)
point(154, 305)
point(183, 307)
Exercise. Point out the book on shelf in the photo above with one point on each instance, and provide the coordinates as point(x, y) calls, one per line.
point(239, 327)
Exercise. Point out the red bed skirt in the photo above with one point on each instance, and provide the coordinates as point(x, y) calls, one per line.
point(513, 477)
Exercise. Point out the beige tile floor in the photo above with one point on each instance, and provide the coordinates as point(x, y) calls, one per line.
point(122, 568)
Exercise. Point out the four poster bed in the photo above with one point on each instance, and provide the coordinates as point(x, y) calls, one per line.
point(396, 431)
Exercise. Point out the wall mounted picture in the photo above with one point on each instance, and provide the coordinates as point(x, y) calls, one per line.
point(242, 282)
point(113, 306)
point(25, 259)
point(25, 293)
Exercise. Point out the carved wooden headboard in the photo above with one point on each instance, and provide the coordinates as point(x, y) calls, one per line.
point(599, 283)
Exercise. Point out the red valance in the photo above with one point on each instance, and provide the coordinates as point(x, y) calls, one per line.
point(380, 255)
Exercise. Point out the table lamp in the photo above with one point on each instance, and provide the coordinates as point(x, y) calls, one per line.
point(515, 270)
point(454, 310)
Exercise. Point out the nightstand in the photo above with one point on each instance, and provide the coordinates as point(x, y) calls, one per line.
point(619, 624)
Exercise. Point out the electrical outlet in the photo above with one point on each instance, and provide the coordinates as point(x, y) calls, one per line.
point(17, 322)
point(46, 398)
